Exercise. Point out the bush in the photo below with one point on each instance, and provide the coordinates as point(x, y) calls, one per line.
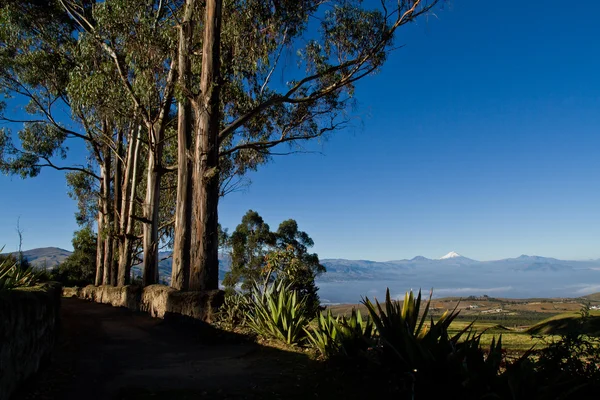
point(341, 336)
point(234, 311)
point(79, 268)
point(277, 312)
point(431, 362)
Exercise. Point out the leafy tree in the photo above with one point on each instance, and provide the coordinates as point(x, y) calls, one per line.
point(295, 262)
point(79, 268)
point(250, 243)
point(259, 256)
point(243, 114)
point(120, 67)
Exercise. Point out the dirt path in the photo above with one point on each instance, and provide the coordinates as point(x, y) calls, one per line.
point(112, 353)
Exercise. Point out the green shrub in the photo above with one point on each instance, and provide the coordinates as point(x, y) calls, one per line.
point(404, 334)
point(277, 312)
point(349, 337)
point(432, 362)
point(79, 269)
point(234, 311)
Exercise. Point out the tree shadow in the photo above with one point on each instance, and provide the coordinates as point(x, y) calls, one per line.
point(113, 353)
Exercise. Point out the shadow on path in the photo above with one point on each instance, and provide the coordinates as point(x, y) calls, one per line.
point(113, 353)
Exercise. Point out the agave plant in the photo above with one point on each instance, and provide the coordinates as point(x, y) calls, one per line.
point(323, 336)
point(278, 313)
point(349, 337)
point(234, 311)
point(11, 276)
point(404, 331)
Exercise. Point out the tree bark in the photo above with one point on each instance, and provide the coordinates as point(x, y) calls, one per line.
point(127, 202)
point(183, 208)
point(151, 204)
point(108, 245)
point(99, 241)
point(117, 187)
point(204, 271)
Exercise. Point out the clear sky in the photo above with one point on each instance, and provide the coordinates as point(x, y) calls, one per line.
point(481, 135)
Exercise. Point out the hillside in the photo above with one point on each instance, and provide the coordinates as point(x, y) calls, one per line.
point(46, 257)
point(593, 296)
point(568, 323)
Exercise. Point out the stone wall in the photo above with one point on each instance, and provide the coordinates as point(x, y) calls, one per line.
point(29, 321)
point(158, 300)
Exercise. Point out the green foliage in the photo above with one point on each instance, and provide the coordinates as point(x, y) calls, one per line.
point(83, 188)
point(249, 245)
point(15, 258)
point(349, 337)
point(259, 255)
point(80, 267)
point(323, 337)
point(573, 359)
point(406, 335)
point(13, 276)
point(278, 313)
point(424, 352)
point(234, 311)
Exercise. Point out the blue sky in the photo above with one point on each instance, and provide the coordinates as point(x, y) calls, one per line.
point(480, 136)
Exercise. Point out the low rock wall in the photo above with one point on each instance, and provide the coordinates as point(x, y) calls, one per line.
point(158, 300)
point(29, 322)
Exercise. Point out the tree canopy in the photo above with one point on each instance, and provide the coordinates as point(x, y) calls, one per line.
point(175, 100)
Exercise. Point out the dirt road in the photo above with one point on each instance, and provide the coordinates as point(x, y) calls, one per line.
point(113, 353)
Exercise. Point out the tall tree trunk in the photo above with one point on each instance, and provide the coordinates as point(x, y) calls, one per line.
point(108, 245)
point(183, 208)
point(117, 187)
point(99, 241)
point(204, 271)
point(127, 201)
point(151, 204)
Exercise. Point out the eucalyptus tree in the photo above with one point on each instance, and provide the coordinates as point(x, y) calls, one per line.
point(246, 75)
point(250, 243)
point(317, 49)
point(67, 80)
point(37, 55)
point(137, 36)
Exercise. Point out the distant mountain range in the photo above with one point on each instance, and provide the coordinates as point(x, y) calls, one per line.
point(340, 269)
point(453, 274)
point(46, 257)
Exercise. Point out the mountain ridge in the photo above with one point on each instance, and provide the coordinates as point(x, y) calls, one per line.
point(346, 280)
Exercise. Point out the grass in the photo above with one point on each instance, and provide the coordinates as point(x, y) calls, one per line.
point(522, 323)
point(513, 340)
point(520, 329)
point(568, 323)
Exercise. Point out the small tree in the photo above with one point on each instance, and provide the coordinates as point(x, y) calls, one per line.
point(79, 268)
point(261, 256)
point(250, 243)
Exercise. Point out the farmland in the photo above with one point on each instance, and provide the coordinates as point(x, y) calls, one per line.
point(523, 323)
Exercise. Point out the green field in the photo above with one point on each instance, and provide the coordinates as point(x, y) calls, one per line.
point(517, 340)
point(523, 324)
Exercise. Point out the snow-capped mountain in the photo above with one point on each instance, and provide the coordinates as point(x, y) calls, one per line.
point(452, 254)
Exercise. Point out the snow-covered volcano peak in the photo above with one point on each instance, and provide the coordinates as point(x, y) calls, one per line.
point(452, 254)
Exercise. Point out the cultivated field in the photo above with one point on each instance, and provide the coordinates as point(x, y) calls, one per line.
point(523, 323)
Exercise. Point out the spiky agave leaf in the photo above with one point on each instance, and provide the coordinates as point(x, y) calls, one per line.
point(277, 313)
